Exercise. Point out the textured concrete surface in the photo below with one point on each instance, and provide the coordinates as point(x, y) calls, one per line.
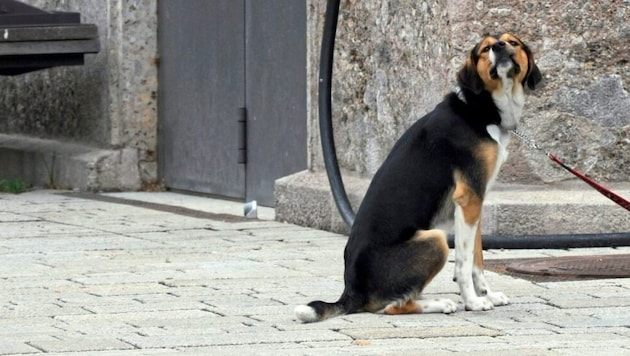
point(509, 209)
point(87, 277)
point(60, 164)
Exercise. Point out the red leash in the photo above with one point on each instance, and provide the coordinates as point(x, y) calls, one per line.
point(596, 185)
point(600, 188)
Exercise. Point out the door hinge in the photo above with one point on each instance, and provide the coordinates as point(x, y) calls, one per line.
point(242, 135)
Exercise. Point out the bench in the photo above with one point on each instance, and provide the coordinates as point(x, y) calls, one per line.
point(33, 39)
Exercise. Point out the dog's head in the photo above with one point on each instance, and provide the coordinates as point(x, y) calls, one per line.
point(495, 59)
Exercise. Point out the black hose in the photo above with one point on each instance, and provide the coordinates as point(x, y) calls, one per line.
point(325, 113)
point(561, 241)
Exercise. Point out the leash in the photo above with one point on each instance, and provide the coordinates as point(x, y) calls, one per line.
point(596, 185)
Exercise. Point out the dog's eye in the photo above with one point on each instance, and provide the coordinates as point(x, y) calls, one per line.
point(513, 43)
point(485, 49)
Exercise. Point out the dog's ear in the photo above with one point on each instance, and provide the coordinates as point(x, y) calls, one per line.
point(468, 77)
point(533, 77)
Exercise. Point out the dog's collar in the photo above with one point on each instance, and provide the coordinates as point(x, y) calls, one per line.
point(460, 93)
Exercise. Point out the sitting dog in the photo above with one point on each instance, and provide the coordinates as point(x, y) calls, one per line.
point(436, 177)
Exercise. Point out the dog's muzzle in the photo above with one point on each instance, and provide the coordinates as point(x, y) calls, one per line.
point(504, 59)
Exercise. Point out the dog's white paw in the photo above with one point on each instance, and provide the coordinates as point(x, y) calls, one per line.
point(445, 305)
point(478, 303)
point(449, 306)
point(498, 298)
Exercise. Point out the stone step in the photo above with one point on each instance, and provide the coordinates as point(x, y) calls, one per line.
point(44, 162)
point(570, 207)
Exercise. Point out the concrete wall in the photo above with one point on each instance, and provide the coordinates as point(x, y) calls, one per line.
point(395, 60)
point(109, 105)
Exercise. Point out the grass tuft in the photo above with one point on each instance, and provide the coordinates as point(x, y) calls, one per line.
point(14, 186)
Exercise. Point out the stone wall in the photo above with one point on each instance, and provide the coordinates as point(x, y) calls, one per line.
point(62, 102)
point(108, 103)
point(395, 60)
point(391, 64)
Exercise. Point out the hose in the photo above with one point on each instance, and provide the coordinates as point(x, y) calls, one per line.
point(325, 113)
point(558, 241)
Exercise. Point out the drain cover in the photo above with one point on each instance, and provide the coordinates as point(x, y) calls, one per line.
point(606, 266)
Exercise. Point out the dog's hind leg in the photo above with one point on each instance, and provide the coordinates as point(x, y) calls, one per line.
point(482, 288)
point(429, 252)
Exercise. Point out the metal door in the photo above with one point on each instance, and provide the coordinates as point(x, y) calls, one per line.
point(202, 87)
point(275, 93)
point(217, 57)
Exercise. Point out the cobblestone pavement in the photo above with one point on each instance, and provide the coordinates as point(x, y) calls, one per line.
point(80, 276)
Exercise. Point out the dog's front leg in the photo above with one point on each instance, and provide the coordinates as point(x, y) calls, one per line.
point(482, 288)
point(467, 220)
point(464, 251)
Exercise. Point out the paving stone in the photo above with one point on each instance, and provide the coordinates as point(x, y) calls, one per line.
point(428, 321)
point(567, 341)
point(121, 289)
point(214, 339)
point(520, 351)
point(79, 344)
point(260, 349)
point(9, 329)
point(425, 332)
point(28, 231)
point(113, 279)
point(95, 328)
point(12, 345)
point(582, 350)
point(13, 217)
point(132, 352)
point(379, 347)
point(587, 301)
point(618, 330)
point(454, 343)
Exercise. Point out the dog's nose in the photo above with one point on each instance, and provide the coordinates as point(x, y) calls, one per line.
point(498, 45)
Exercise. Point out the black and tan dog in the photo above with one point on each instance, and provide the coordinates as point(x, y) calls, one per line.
point(436, 175)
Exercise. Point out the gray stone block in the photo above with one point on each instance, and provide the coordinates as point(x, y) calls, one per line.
point(561, 208)
point(58, 164)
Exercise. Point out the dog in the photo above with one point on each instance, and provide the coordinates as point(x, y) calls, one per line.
point(435, 179)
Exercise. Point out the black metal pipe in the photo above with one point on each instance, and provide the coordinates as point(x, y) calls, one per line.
point(325, 113)
point(558, 241)
point(561, 241)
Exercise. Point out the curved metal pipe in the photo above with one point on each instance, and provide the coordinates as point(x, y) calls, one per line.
point(558, 241)
point(325, 113)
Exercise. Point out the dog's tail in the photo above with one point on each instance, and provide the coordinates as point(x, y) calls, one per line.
point(318, 310)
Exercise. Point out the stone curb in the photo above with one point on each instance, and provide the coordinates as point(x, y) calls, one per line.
point(562, 208)
point(42, 162)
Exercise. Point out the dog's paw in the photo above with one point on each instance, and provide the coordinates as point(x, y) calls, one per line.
point(445, 306)
point(498, 298)
point(478, 303)
point(449, 306)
